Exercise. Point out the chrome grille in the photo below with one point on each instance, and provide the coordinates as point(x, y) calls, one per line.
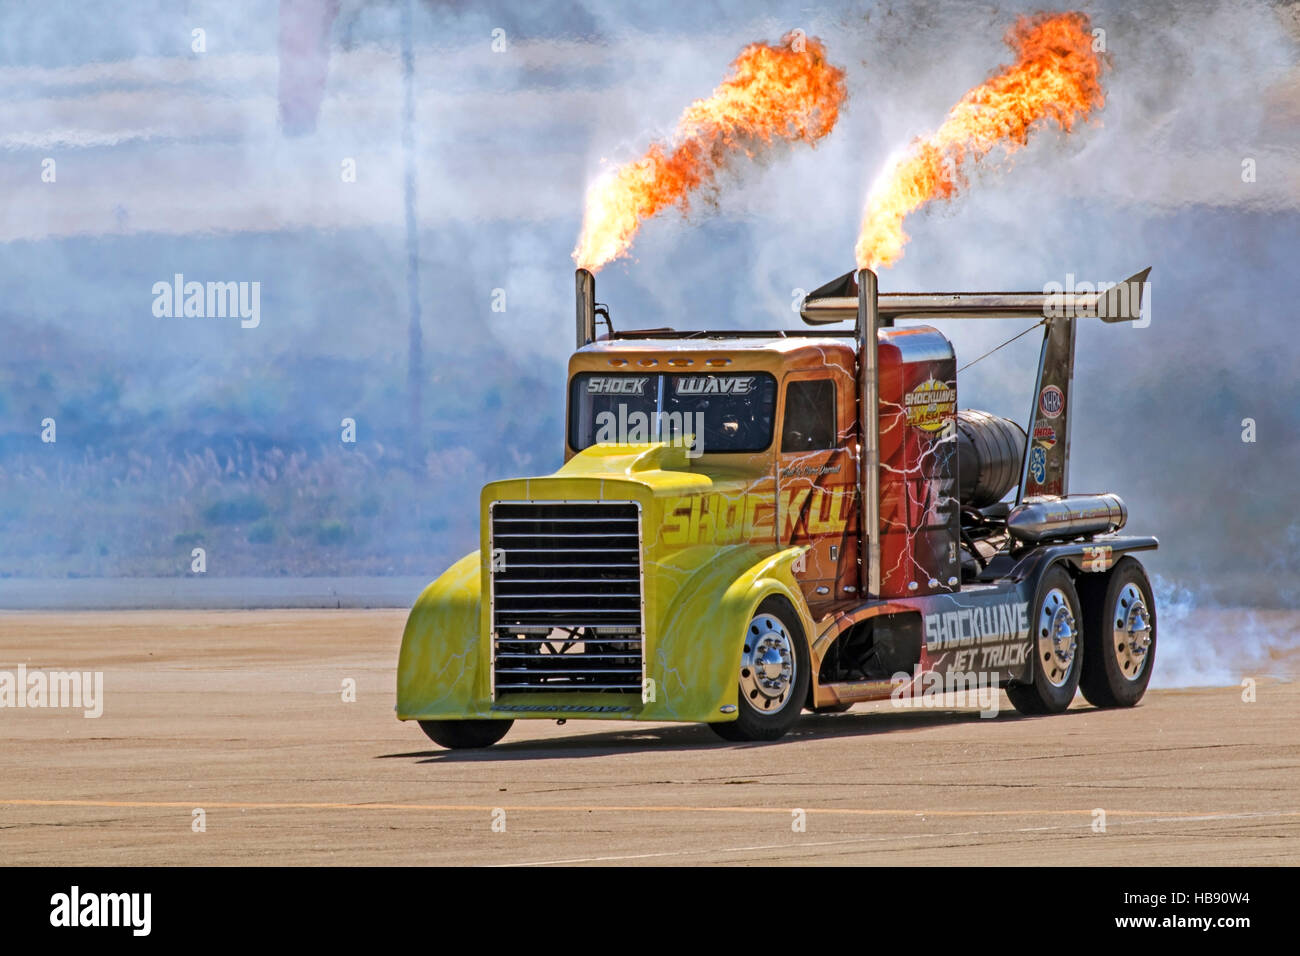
point(566, 596)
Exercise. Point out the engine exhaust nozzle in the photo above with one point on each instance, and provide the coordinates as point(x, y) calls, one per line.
point(989, 452)
point(585, 288)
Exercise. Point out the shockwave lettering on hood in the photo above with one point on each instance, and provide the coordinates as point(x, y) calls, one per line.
point(727, 519)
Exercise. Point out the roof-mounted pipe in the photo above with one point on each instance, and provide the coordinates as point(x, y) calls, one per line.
point(585, 288)
point(869, 429)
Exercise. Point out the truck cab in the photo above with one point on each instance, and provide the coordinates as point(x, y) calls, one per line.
point(776, 415)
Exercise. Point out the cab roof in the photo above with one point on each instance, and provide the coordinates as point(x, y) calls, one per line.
point(667, 341)
point(715, 353)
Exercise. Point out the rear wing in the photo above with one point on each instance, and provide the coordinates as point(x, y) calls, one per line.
point(1046, 466)
point(837, 301)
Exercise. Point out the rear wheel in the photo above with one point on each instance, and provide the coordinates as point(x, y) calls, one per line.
point(773, 675)
point(1055, 647)
point(1120, 637)
point(465, 734)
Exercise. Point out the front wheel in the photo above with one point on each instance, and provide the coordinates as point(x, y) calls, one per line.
point(1054, 645)
point(465, 734)
point(1120, 637)
point(774, 675)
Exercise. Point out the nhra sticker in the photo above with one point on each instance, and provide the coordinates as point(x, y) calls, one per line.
point(930, 405)
point(1038, 464)
point(712, 385)
point(1045, 435)
point(1051, 402)
point(618, 385)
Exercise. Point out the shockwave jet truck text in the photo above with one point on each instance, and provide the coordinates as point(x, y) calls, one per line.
point(752, 524)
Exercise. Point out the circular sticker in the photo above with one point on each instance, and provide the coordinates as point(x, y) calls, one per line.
point(930, 405)
point(1051, 402)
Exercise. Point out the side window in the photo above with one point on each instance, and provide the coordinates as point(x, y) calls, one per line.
point(809, 416)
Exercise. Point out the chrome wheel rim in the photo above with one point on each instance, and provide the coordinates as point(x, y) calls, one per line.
point(1058, 637)
point(767, 664)
point(1131, 632)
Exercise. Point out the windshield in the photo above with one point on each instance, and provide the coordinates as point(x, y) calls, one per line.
point(725, 413)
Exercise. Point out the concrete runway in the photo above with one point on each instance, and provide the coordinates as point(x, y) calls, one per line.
point(240, 714)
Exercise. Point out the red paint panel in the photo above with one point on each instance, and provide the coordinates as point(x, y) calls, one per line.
point(918, 456)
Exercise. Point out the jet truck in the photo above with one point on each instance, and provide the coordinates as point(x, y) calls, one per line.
point(749, 525)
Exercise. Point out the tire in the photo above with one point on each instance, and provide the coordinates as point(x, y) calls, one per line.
point(1119, 628)
point(465, 734)
point(1056, 650)
point(769, 701)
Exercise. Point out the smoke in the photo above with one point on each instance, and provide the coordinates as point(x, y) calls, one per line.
point(174, 161)
point(1200, 644)
point(784, 92)
point(1055, 80)
point(1198, 98)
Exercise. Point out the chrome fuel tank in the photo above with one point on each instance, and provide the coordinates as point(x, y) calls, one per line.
point(1044, 518)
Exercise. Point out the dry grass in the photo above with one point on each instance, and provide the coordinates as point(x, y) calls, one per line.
point(268, 511)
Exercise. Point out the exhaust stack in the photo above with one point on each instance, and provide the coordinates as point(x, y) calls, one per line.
point(869, 430)
point(585, 287)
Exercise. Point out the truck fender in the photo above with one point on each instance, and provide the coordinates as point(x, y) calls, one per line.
point(439, 666)
point(1094, 556)
point(696, 660)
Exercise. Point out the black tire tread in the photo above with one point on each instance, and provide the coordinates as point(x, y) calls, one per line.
point(465, 734)
point(1101, 684)
point(1039, 697)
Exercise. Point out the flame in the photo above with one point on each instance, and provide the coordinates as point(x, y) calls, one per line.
point(1056, 76)
point(786, 91)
